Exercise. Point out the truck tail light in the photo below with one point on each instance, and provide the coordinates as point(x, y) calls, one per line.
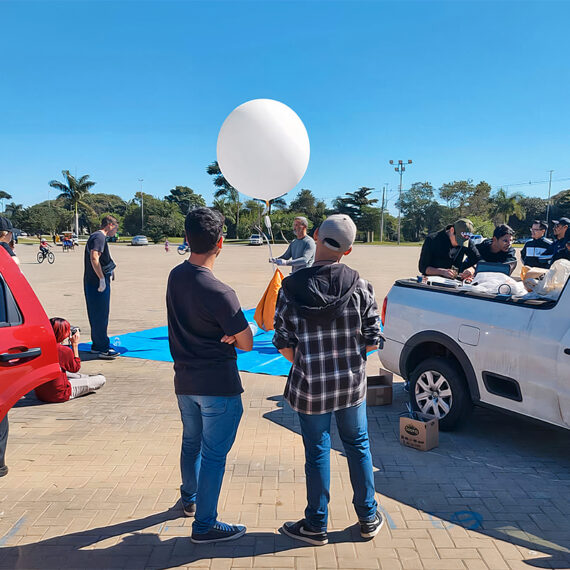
point(383, 313)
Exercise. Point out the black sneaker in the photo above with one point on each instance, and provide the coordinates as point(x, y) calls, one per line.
point(3, 470)
point(301, 531)
point(219, 533)
point(369, 529)
point(109, 354)
point(189, 509)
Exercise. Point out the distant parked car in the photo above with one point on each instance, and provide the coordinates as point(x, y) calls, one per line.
point(476, 238)
point(139, 240)
point(255, 239)
point(522, 240)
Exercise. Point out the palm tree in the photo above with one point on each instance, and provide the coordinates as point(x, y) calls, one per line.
point(4, 196)
point(504, 206)
point(74, 191)
point(226, 190)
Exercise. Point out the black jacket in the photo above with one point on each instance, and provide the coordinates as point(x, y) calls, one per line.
point(533, 249)
point(437, 251)
point(321, 292)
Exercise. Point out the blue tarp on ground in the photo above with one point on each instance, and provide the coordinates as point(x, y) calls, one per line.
point(152, 344)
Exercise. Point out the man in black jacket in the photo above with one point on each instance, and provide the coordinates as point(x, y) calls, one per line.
point(498, 249)
point(536, 247)
point(562, 234)
point(449, 252)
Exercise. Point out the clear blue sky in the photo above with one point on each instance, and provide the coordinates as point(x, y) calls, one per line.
point(129, 90)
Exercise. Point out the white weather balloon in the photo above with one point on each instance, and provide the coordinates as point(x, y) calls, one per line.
point(263, 149)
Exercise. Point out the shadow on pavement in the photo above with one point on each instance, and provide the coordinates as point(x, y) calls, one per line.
point(140, 549)
point(505, 477)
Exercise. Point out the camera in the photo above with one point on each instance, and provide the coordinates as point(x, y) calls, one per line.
point(73, 330)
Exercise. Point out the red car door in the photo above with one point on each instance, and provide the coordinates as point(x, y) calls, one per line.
point(28, 350)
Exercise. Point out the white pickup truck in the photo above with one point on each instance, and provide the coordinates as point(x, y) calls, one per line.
point(457, 348)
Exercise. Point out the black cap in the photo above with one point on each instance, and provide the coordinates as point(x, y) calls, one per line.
point(562, 222)
point(5, 225)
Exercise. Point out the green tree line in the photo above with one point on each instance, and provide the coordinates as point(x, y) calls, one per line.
point(424, 209)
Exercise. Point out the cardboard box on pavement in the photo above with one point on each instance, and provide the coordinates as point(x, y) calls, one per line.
point(379, 388)
point(419, 431)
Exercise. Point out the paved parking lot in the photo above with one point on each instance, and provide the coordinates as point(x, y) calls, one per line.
point(93, 483)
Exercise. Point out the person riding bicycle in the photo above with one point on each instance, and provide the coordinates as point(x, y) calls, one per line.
point(44, 246)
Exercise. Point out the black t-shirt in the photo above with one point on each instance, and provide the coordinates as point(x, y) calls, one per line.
point(437, 251)
point(201, 310)
point(7, 248)
point(486, 254)
point(96, 242)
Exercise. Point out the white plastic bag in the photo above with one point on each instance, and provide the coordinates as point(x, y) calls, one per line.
point(497, 283)
point(551, 285)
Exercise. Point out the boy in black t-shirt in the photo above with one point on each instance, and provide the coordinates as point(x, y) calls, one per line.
point(205, 323)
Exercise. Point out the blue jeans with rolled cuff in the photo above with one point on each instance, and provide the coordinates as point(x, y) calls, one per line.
point(209, 429)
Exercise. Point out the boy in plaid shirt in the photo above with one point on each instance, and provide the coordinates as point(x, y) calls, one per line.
point(326, 320)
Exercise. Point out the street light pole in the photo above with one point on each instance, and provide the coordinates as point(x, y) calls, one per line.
point(400, 169)
point(548, 201)
point(382, 214)
point(141, 180)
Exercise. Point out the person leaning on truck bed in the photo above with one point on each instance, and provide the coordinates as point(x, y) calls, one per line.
point(498, 249)
point(449, 252)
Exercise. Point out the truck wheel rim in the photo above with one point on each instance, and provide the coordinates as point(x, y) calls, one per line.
point(433, 394)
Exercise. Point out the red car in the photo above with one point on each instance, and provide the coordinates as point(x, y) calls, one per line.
point(28, 350)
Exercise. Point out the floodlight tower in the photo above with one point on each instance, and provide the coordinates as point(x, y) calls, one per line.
point(401, 168)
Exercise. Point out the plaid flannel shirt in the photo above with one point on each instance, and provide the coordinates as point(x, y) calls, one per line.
point(328, 372)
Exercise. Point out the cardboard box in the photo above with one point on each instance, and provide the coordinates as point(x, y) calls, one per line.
point(419, 431)
point(379, 389)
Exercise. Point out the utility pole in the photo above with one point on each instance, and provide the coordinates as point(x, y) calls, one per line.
point(400, 169)
point(382, 214)
point(141, 180)
point(548, 202)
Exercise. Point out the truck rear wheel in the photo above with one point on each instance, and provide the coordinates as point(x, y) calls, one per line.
point(438, 388)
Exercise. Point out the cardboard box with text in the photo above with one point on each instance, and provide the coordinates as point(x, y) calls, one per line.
point(419, 431)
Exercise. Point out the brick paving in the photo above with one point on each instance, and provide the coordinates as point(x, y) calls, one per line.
point(93, 483)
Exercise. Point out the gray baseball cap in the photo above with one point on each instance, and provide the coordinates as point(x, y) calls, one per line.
point(337, 232)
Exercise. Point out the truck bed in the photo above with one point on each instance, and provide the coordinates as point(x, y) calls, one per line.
point(495, 298)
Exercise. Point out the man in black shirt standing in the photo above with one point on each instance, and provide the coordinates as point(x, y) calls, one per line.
point(98, 272)
point(449, 252)
point(498, 249)
point(205, 323)
point(536, 247)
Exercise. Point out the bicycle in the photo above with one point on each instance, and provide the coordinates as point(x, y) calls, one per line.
point(183, 249)
point(45, 254)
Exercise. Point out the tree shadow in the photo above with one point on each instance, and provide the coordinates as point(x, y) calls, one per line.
point(140, 548)
point(503, 476)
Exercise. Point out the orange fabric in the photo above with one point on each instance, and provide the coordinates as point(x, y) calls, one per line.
point(265, 310)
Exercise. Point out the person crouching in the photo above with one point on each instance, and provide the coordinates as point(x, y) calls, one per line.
point(70, 383)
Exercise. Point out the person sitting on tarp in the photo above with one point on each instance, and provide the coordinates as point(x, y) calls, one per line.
point(498, 249)
point(301, 251)
point(450, 253)
point(70, 383)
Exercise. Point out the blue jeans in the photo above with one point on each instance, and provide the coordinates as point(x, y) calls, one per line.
point(353, 430)
point(209, 429)
point(3, 439)
point(98, 313)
